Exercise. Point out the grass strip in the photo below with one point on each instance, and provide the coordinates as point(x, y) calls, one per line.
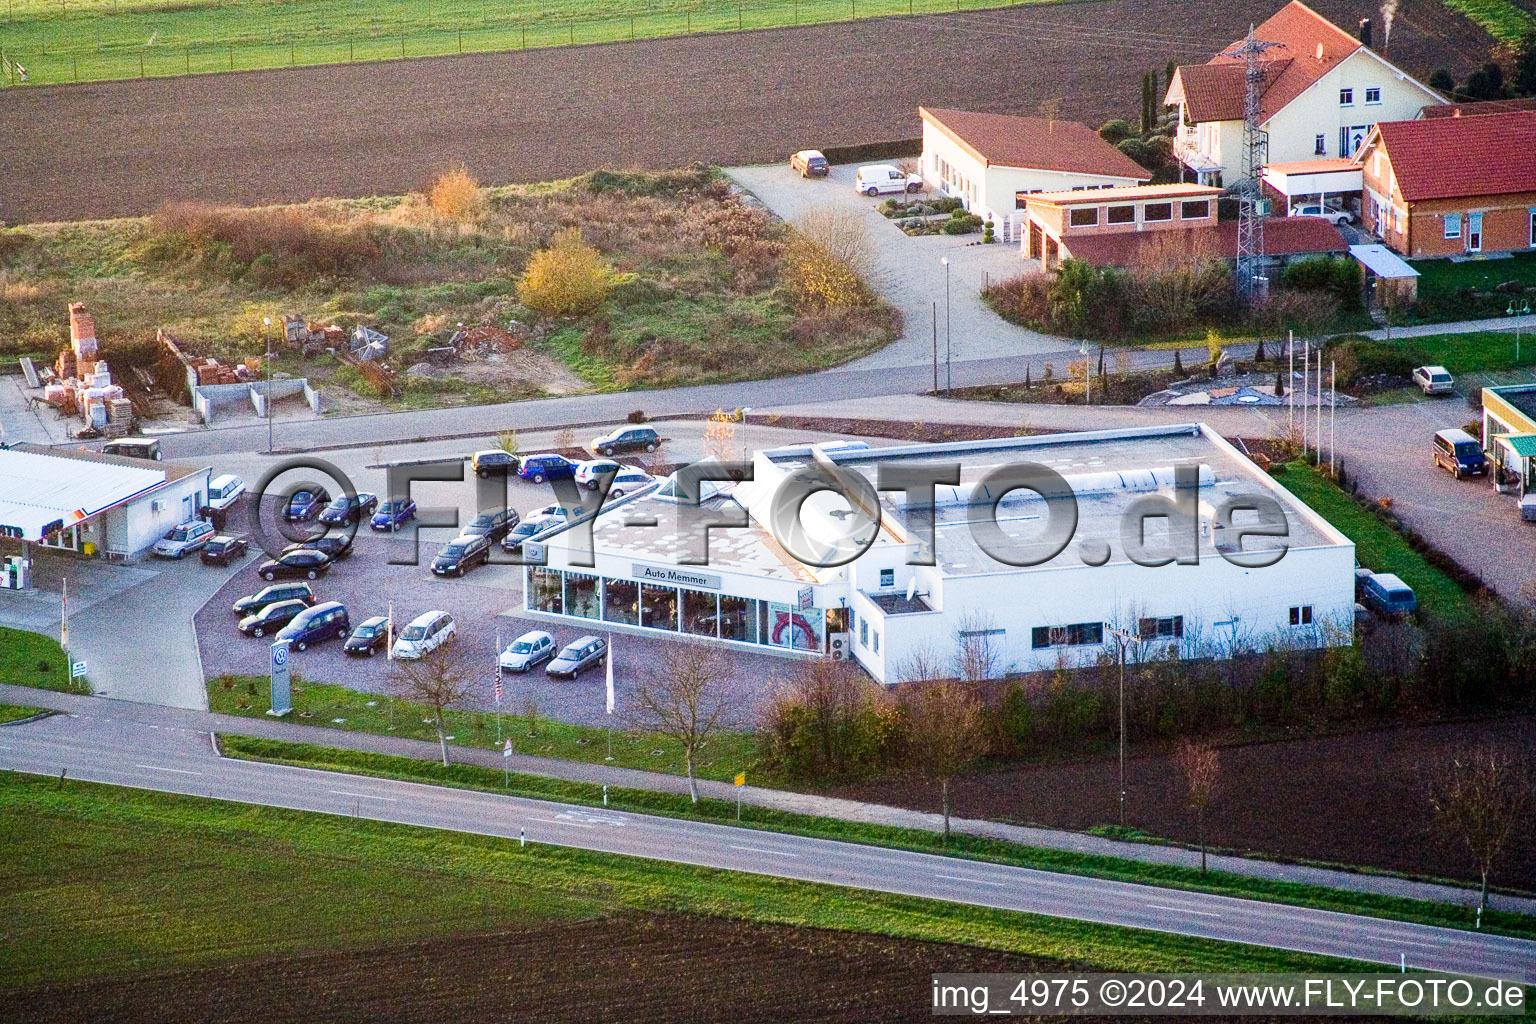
point(101, 880)
point(969, 847)
point(16, 712)
point(1501, 19)
point(337, 707)
point(32, 659)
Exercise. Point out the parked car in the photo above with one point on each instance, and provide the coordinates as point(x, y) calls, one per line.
point(461, 554)
point(334, 546)
point(527, 651)
point(629, 480)
point(271, 618)
point(393, 514)
point(1389, 595)
point(1458, 452)
point(368, 638)
point(558, 513)
point(269, 595)
point(493, 462)
point(578, 656)
point(587, 473)
point(625, 478)
point(305, 504)
point(1434, 380)
point(1361, 575)
point(1528, 508)
point(312, 625)
point(493, 525)
point(305, 562)
point(1330, 213)
point(626, 439)
point(876, 179)
point(221, 550)
point(134, 448)
point(224, 491)
point(343, 510)
point(514, 539)
point(547, 466)
point(809, 163)
point(182, 540)
point(425, 633)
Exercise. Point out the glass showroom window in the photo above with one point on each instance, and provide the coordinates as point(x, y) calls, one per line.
point(546, 590)
point(621, 601)
point(701, 613)
point(581, 596)
point(658, 606)
point(738, 619)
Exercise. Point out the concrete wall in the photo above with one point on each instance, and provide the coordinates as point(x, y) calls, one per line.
point(208, 398)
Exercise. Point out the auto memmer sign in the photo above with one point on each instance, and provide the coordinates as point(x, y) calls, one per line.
point(676, 577)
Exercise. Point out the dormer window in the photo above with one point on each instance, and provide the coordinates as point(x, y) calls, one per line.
point(1347, 97)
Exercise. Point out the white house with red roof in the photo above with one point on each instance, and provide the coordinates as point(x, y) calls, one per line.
point(1323, 90)
point(992, 161)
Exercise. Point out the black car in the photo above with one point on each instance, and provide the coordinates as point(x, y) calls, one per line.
point(334, 546)
point(492, 525)
point(368, 638)
point(494, 462)
point(305, 562)
point(461, 554)
point(271, 618)
point(306, 504)
point(268, 595)
point(345, 510)
point(222, 550)
point(627, 439)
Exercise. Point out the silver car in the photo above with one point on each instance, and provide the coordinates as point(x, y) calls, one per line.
point(184, 539)
point(1434, 380)
point(578, 656)
point(527, 651)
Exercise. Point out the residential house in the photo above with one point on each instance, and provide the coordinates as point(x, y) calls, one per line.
point(1322, 91)
point(992, 161)
point(1443, 186)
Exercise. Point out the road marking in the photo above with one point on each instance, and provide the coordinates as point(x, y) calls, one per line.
point(758, 849)
point(973, 881)
point(1405, 942)
point(362, 796)
point(157, 768)
point(573, 824)
point(1182, 910)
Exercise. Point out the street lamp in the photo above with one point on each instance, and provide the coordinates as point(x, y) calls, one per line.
point(1524, 310)
point(745, 412)
point(1087, 374)
point(266, 335)
point(1124, 637)
point(949, 382)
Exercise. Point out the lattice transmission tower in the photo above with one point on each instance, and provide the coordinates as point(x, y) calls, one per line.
point(1250, 221)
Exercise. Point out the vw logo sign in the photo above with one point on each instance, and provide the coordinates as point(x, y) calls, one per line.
point(280, 654)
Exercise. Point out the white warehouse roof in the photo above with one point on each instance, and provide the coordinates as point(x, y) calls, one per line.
point(37, 490)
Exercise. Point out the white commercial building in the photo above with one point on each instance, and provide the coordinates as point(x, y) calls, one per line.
point(94, 505)
point(761, 585)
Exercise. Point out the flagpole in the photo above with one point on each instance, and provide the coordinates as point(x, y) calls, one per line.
point(1290, 382)
point(608, 730)
point(498, 686)
point(1306, 392)
point(1333, 416)
point(389, 655)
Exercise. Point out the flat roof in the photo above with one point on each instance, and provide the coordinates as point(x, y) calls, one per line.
point(1521, 396)
point(1123, 193)
point(40, 487)
point(1382, 262)
point(1313, 166)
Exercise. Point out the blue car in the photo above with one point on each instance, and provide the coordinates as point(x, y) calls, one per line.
point(347, 510)
point(306, 504)
point(393, 514)
point(549, 466)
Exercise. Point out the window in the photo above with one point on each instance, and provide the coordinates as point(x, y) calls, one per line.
point(887, 577)
point(1346, 97)
point(1079, 634)
point(1121, 215)
point(738, 619)
point(1320, 145)
point(547, 584)
point(1373, 95)
point(1158, 629)
point(877, 642)
point(1301, 616)
point(1453, 225)
point(935, 161)
point(1084, 217)
point(863, 632)
point(1195, 209)
point(1157, 211)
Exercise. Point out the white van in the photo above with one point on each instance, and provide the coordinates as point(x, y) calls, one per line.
point(874, 179)
point(426, 632)
point(224, 491)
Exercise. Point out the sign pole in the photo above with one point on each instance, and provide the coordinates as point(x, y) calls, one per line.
point(282, 701)
point(608, 729)
point(741, 782)
point(64, 616)
point(498, 686)
point(506, 764)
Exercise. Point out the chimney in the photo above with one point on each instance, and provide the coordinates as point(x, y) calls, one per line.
point(1365, 32)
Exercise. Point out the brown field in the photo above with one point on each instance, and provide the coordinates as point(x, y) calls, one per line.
point(638, 968)
point(1356, 798)
point(121, 148)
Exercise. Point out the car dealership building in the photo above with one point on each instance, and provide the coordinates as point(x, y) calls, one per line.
point(1177, 495)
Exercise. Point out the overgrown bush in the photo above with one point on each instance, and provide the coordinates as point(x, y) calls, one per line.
point(819, 280)
point(1357, 357)
point(286, 245)
point(456, 196)
point(827, 720)
point(1338, 276)
point(567, 279)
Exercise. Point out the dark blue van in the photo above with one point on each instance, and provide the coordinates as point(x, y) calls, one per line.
point(549, 466)
point(322, 622)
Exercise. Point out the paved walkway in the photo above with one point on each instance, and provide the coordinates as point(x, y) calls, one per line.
point(799, 803)
point(21, 422)
point(1502, 323)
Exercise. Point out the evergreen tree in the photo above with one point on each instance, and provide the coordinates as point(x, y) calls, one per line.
point(1279, 383)
point(1441, 81)
point(1178, 363)
point(1259, 356)
point(1523, 79)
point(1146, 102)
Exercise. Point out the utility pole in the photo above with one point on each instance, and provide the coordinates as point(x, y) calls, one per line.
point(1124, 637)
point(949, 380)
point(266, 335)
point(1250, 219)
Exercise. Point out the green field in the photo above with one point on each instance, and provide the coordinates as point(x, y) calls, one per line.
point(31, 659)
point(1501, 19)
point(92, 40)
point(99, 880)
point(1476, 351)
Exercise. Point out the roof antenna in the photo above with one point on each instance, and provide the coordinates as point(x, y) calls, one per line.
point(1051, 108)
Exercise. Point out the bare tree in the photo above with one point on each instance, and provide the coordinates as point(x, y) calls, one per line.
point(1200, 764)
point(843, 234)
point(687, 700)
point(1480, 796)
point(439, 679)
point(832, 695)
point(923, 664)
point(945, 734)
point(975, 649)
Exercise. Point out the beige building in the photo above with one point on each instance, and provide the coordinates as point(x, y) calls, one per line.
point(1323, 90)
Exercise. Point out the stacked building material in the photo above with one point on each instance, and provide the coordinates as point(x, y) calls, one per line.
point(82, 331)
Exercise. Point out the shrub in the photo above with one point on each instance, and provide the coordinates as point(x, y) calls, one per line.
point(637, 416)
point(819, 279)
point(1357, 357)
point(1339, 276)
point(567, 279)
point(288, 245)
point(456, 196)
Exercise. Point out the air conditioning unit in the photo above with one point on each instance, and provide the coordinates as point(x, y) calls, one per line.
point(157, 506)
point(837, 646)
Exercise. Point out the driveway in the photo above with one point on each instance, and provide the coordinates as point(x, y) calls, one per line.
point(909, 275)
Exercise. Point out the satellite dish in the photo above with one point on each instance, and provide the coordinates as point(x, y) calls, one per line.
point(911, 587)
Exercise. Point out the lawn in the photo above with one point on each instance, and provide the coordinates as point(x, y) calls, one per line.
point(1377, 546)
point(1473, 352)
point(91, 40)
point(99, 880)
point(1480, 275)
point(16, 712)
point(1501, 19)
point(323, 704)
point(31, 659)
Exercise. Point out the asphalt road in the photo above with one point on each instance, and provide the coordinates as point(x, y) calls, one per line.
point(117, 750)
